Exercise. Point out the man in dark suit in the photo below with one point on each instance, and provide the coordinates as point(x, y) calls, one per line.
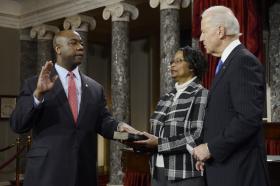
point(233, 152)
point(66, 109)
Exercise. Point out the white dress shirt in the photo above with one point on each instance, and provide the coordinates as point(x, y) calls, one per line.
point(229, 49)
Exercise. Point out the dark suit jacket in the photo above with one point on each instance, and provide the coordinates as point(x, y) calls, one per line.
point(62, 154)
point(233, 125)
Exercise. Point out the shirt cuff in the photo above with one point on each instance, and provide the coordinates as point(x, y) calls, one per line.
point(189, 148)
point(37, 102)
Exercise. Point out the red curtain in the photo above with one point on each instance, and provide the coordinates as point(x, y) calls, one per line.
point(249, 17)
point(272, 146)
point(135, 178)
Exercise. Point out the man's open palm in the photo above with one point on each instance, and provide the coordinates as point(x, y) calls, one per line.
point(45, 82)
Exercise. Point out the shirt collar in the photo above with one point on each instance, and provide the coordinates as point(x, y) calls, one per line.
point(184, 85)
point(62, 72)
point(229, 49)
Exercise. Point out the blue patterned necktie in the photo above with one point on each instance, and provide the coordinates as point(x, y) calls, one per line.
point(219, 66)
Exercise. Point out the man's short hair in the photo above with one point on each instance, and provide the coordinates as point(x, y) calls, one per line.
point(222, 16)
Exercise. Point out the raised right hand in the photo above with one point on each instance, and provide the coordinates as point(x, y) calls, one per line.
point(45, 82)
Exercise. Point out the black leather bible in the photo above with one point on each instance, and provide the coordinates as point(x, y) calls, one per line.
point(128, 136)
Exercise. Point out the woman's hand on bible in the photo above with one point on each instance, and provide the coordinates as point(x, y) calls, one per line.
point(151, 142)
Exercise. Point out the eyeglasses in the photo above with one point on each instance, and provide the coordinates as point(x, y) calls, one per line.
point(177, 61)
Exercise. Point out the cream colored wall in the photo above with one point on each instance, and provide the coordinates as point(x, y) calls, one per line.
point(9, 85)
point(98, 62)
point(9, 61)
point(139, 84)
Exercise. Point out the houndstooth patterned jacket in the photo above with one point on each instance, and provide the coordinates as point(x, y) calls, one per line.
point(177, 124)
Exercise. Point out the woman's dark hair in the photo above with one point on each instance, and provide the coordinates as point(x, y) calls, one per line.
point(196, 60)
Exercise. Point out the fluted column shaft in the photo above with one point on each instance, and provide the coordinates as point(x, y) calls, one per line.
point(120, 71)
point(120, 13)
point(169, 44)
point(169, 37)
point(274, 61)
point(120, 92)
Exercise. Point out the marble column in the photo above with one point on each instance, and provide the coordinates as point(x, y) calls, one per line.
point(28, 55)
point(120, 14)
point(195, 41)
point(274, 61)
point(45, 52)
point(169, 37)
point(82, 24)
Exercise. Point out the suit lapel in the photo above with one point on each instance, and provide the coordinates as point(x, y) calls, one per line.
point(188, 94)
point(225, 66)
point(84, 96)
point(58, 93)
point(191, 88)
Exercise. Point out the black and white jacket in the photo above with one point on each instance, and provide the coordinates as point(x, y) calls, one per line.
point(178, 123)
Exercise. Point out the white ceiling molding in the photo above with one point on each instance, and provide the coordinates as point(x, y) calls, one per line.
point(9, 14)
point(28, 13)
point(9, 21)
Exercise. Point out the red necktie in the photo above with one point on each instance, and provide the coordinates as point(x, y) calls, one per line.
point(72, 95)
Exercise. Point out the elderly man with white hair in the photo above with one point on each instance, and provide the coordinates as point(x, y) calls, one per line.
point(233, 151)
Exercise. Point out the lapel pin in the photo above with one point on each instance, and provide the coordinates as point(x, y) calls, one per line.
point(86, 85)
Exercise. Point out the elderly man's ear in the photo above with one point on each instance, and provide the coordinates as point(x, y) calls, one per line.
point(221, 32)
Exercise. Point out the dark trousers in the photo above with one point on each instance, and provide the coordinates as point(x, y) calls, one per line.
point(161, 180)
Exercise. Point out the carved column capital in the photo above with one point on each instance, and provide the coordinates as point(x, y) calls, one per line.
point(79, 23)
point(120, 12)
point(170, 4)
point(43, 32)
